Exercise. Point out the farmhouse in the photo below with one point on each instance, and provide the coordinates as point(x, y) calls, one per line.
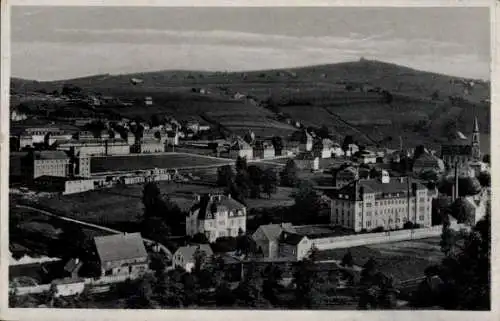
point(293, 245)
point(263, 149)
point(216, 216)
point(307, 161)
point(240, 148)
point(304, 139)
point(427, 162)
point(267, 238)
point(184, 257)
point(346, 176)
point(122, 254)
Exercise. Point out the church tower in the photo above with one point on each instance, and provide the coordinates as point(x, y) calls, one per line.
point(476, 150)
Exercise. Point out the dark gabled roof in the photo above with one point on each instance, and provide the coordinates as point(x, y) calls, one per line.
point(395, 185)
point(187, 252)
point(291, 238)
point(209, 204)
point(111, 248)
point(72, 265)
point(273, 231)
point(50, 154)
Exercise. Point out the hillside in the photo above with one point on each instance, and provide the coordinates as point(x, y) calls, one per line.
point(420, 109)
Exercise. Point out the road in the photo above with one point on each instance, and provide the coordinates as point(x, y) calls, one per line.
point(163, 248)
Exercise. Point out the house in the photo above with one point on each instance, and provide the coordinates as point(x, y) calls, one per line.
point(122, 254)
point(184, 256)
point(68, 286)
point(16, 115)
point(351, 150)
point(148, 146)
point(480, 204)
point(367, 157)
point(148, 101)
point(203, 127)
point(172, 138)
point(240, 148)
point(427, 162)
point(72, 267)
point(346, 176)
point(304, 139)
point(64, 185)
point(329, 149)
point(116, 147)
point(307, 161)
point(294, 246)
point(267, 238)
point(263, 150)
point(386, 202)
point(216, 215)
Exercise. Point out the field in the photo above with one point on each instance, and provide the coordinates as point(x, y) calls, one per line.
point(403, 260)
point(120, 205)
point(140, 162)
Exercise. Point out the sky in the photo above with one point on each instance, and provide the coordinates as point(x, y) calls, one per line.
point(53, 43)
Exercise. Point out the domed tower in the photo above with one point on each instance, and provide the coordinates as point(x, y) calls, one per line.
point(476, 145)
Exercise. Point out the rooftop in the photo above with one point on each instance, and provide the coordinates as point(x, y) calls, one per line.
point(111, 248)
point(50, 154)
point(188, 251)
point(210, 204)
point(273, 231)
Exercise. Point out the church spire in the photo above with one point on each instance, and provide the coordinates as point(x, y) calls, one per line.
point(476, 144)
point(476, 125)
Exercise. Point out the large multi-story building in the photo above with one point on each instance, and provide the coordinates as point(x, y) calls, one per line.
point(216, 216)
point(45, 163)
point(386, 202)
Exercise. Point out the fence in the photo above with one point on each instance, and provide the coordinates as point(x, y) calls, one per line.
point(329, 243)
point(32, 289)
point(104, 280)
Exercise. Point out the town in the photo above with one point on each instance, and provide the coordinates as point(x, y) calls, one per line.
point(96, 202)
point(254, 175)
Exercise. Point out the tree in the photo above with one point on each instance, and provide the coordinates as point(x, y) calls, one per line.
point(484, 179)
point(200, 258)
point(156, 228)
point(225, 176)
point(249, 291)
point(200, 238)
point(306, 283)
point(306, 208)
point(277, 142)
point(486, 158)
point(151, 198)
point(143, 298)
point(71, 90)
point(324, 132)
point(272, 278)
point(348, 140)
point(269, 181)
point(347, 260)
point(241, 164)
point(465, 270)
point(289, 174)
point(463, 211)
point(419, 150)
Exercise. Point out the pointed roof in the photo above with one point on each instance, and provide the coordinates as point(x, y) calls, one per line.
point(476, 125)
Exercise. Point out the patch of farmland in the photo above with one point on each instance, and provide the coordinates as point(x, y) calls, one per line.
point(140, 162)
point(403, 260)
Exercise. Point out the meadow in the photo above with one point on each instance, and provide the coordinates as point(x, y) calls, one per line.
point(402, 260)
point(151, 161)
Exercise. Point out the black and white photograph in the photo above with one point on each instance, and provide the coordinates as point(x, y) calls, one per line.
point(249, 158)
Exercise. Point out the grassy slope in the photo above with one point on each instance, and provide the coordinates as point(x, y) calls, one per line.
point(171, 91)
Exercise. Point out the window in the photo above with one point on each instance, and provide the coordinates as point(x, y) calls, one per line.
point(421, 218)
